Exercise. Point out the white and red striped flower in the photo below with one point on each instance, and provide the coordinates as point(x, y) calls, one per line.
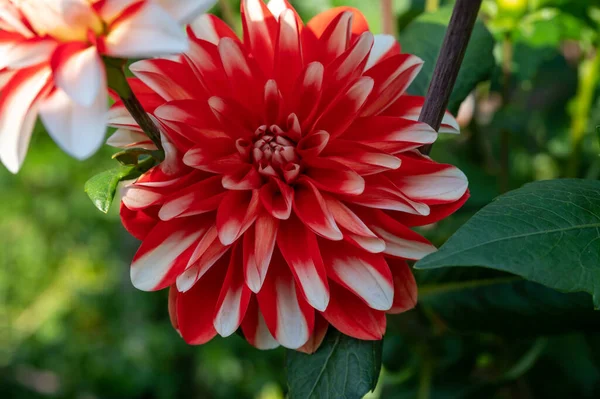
point(50, 64)
point(291, 181)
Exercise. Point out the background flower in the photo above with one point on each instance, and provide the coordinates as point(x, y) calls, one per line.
point(291, 179)
point(51, 65)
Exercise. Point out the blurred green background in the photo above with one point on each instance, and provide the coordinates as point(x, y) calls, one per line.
point(72, 326)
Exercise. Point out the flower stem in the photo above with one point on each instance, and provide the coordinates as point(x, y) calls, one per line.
point(448, 64)
point(388, 17)
point(589, 72)
point(118, 82)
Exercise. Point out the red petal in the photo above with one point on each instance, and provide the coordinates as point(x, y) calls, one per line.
point(255, 329)
point(317, 337)
point(277, 198)
point(288, 316)
point(196, 308)
point(234, 298)
point(332, 176)
point(237, 212)
point(288, 54)
point(353, 317)
point(343, 110)
point(391, 78)
point(260, 33)
point(320, 23)
point(258, 252)
point(299, 247)
point(310, 207)
point(138, 223)
point(165, 253)
point(405, 286)
point(367, 275)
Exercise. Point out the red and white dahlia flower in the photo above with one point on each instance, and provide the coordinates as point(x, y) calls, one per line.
point(291, 181)
point(50, 64)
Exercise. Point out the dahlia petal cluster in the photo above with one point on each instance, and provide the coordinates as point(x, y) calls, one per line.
point(51, 65)
point(291, 181)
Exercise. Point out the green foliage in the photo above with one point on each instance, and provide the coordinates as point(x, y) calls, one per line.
point(424, 36)
point(102, 188)
point(343, 367)
point(475, 299)
point(546, 232)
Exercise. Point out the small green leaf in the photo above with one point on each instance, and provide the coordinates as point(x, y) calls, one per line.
point(547, 232)
point(343, 367)
point(102, 188)
point(424, 37)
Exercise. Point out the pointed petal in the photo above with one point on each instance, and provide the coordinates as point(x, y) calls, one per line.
point(288, 316)
point(164, 254)
point(260, 32)
point(332, 176)
point(142, 31)
point(320, 22)
point(392, 77)
point(288, 52)
point(78, 71)
point(300, 250)
point(366, 275)
point(138, 223)
point(340, 114)
point(125, 138)
point(258, 252)
point(18, 114)
point(234, 298)
point(78, 130)
point(255, 329)
point(185, 11)
point(277, 198)
point(158, 75)
point(409, 107)
point(400, 241)
point(237, 212)
point(384, 47)
point(204, 196)
point(317, 337)
point(211, 28)
point(353, 317)
point(405, 287)
point(196, 308)
point(310, 207)
point(309, 90)
point(425, 180)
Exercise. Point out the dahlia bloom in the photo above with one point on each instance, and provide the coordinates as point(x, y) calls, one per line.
point(50, 64)
point(291, 180)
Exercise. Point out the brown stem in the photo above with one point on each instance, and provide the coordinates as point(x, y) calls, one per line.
point(388, 18)
point(140, 115)
point(448, 64)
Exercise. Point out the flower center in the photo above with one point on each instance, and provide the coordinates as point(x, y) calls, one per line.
point(273, 152)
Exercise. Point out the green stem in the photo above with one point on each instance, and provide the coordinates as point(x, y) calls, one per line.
point(588, 80)
point(432, 5)
point(118, 82)
point(507, 57)
point(426, 376)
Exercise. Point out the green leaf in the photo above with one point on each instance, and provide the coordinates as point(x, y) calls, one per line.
point(424, 36)
point(483, 300)
point(547, 232)
point(343, 367)
point(102, 188)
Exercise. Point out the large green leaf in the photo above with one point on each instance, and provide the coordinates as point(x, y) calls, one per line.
point(343, 367)
point(424, 36)
point(547, 232)
point(475, 299)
